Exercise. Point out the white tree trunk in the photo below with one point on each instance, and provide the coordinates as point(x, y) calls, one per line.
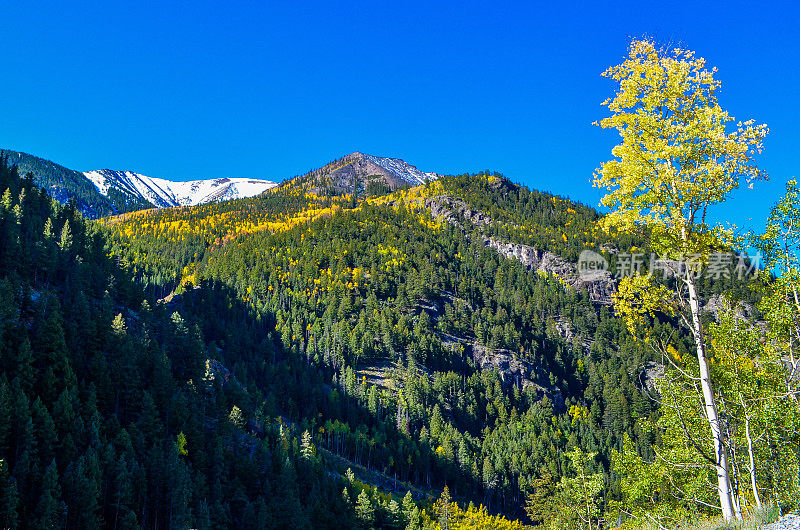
point(753, 482)
point(710, 405)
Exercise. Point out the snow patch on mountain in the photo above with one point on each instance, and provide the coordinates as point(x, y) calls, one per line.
point(99, 181)
point(402, 169)
point(164, 193)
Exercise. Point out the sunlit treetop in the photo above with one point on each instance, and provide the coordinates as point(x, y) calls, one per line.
point(680, 151)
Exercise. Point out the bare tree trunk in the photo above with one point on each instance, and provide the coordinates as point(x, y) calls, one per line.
point(753, 482)
point(791, 377)
point(710, 405)
point(588, 501)
point(734, 475)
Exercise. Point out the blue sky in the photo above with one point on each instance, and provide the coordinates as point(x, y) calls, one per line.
point(197, 89)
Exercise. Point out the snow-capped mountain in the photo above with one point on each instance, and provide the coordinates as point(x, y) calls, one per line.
point(402, 169)
point(163, 193)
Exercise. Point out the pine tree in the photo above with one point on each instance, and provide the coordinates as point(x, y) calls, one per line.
point(444, 509)
point(9, 498)
point(65, 240)
point(236, 417)
point(122, 497)
point(24, 447)
point(180, 492)
point(48, 509)
point(6, 416)
point(53, 357)
point(542, 502)
point(307, 449)
point(24, 365)
point(395, 515)
point(364, 510)
point(82, 487)
point(45, 431)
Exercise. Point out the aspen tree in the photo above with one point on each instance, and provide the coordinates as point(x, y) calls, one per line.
point(679, 157)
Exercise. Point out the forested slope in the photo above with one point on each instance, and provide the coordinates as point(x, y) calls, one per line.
point(117, 411)
point(305, 334)
point(468, 368)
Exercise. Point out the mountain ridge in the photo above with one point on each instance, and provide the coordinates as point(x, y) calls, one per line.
point(166, 193)
point(102, 192)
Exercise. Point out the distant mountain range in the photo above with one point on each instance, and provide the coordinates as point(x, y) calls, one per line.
point(164, 193)
point(103, 192)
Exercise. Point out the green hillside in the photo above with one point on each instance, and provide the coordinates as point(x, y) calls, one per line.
point(119, 411)
point(441, 361)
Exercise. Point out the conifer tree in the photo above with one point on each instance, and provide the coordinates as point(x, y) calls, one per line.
point(48, 508)
point(65, 240)
point(395, 515)
point(307, 449)
point(364, 510)
point(9, 498)
point(23, 365)
point(444, 509)
point(124, 517)
point(6, 415)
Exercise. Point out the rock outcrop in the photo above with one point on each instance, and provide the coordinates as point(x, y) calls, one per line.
point(599, 285)
point(512, 370)
point(716, 304)
point(453, 210)
point(652, 372)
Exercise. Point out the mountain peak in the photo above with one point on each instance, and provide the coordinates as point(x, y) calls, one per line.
point(359, 170)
